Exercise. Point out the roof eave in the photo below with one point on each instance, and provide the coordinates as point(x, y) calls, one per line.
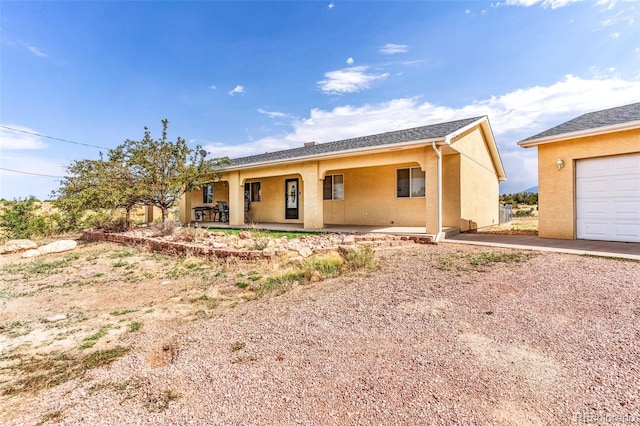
point(483, 122)
point(629, 125)
point(336, 154)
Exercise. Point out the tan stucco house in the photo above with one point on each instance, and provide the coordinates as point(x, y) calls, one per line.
point(589, 176)
point(437, 176)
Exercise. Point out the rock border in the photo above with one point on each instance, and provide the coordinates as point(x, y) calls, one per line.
point(184, 249)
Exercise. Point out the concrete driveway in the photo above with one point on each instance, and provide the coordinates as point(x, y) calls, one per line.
point(531, 242)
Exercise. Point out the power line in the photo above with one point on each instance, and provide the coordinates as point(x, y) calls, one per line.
point(51, 137)
point(29, 173)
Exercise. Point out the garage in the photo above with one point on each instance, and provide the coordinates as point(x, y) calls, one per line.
point(608, 198)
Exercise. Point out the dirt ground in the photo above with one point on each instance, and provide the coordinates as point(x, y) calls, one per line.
point(438, 335)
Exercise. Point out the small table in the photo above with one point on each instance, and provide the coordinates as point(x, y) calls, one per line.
point(199, 213)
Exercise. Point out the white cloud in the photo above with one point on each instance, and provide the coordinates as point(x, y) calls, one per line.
point(349, 80)
point(213, 87)
point(237, 90)
point(467, 12)
point(553, 4)
point(15, 140)
point(391, 48)
point(37, 51)
point(274, 114)
point(514, 116)
point(615, 35)
point(331, 5)
point(349, 61)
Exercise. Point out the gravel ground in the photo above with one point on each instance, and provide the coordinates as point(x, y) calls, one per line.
point(430, 338)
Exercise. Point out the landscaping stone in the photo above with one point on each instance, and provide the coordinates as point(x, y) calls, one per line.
point(31, 253)
point(55, 318)
point(13, 246)
point(58, 246)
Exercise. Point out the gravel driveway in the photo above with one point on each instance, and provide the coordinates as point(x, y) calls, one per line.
point(445, 334)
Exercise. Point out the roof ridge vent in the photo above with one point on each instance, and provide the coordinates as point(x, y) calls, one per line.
point(308, 144)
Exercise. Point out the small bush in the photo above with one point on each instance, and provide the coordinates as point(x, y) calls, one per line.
point(191, 235)
point(134, 326)
point(22, 218)
point(361, 258)
point(164, 229)
point(104, 221)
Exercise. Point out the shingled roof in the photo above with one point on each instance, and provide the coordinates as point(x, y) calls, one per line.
point(435, 131)
point(593, 120)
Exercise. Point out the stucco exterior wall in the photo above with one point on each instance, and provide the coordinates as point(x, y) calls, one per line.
point(556, 188)
point(479, 185)
point(451, 190)
point(272, 206)
point(370, 199)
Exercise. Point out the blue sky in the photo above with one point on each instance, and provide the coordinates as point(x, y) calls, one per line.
point(242, 78)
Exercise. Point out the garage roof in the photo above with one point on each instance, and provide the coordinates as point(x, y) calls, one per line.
point(593, 123)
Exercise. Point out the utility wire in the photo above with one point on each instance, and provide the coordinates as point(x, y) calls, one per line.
point(51, 137)
point(29, 173)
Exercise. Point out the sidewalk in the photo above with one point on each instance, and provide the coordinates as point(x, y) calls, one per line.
point(530, 242)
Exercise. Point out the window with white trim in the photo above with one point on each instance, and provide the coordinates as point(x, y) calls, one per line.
point(253, 191)
point(333, 187)
point(207, 194)
point(410, 183)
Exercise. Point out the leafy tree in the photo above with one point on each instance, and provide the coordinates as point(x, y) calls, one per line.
point(166, 170)
point(98, 184)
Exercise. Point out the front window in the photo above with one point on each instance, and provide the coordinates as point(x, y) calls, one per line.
point(333, 187)
point(410, 182)
point(207, 194)
point(253, 191)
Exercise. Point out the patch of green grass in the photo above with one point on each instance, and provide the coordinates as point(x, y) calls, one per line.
point(38, 267)
point(242, 284)
point(51, 416)
point(158, 403)
point(134, 326)
point(121, 253)
point(120, 264)
point(275, 286)
point(46, 371)
point(123, 312)
point(236, 346)
point(88, 342)
point(264, 233)
point(361, 258)
point(208, 301)
point(463, 261)
point(489, 257)
point(326, 266)
point(244, 359)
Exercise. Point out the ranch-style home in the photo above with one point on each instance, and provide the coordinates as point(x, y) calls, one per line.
point(434, 177)
point(589, 176)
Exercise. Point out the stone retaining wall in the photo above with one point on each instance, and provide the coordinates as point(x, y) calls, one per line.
point(175, 248)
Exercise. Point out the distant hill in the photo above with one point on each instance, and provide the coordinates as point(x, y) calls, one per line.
point(533, 189)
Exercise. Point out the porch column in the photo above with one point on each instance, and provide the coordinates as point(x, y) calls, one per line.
point(432, 191)
point(236, 199)
point(185, 208)
point(313, 207)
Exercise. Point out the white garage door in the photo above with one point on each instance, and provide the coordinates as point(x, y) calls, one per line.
point(608, 198)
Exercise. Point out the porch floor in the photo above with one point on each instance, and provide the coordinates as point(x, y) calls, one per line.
point(339, 229)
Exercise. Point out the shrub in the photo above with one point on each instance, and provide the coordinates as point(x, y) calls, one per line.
point(192, 234)
point(361, 258)
point(163, 229)
point(21, 219)
point(105, 221)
